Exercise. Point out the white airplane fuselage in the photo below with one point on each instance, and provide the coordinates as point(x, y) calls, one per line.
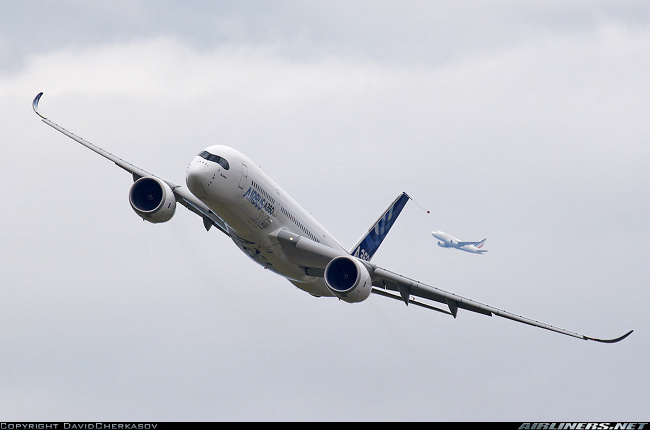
point(449, 241)
point(255, 209)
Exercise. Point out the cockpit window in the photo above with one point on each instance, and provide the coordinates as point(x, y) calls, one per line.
point(216, 159)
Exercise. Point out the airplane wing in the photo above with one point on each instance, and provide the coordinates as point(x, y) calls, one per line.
point(385, 280)
point(314, 257)
point(182, 194)
point(477, 244)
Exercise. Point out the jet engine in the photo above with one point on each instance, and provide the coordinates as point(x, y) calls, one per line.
point(348, 279)
point(443, 244)
point(152, 199)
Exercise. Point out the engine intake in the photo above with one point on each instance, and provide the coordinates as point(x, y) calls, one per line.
point(152, 199)
point(348, 279)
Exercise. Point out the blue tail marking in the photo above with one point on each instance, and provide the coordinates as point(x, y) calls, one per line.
point(368, 245)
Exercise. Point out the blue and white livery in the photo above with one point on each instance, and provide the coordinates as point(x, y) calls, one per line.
point(369, 244)
point(228, 191)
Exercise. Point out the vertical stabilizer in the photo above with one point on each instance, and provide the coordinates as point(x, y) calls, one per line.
point(369, 244)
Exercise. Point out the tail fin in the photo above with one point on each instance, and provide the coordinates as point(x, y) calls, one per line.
point(369, 244)
point(481, 243)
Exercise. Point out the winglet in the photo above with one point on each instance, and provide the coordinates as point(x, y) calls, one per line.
point(618, 339)
point(35, 104)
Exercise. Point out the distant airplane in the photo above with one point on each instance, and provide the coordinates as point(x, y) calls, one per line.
point(231, 193)
point(449, 241)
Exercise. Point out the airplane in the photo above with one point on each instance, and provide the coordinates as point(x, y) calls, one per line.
point(231, 193)
point(449, 241)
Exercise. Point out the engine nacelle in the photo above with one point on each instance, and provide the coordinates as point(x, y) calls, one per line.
point(152, 199)
point(443, 244)
point(348, 279)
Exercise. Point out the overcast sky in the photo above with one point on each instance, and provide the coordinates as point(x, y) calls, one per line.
point(522, 122)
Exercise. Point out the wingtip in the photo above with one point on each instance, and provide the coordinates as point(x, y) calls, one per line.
point(618, 339)
point(35, 104)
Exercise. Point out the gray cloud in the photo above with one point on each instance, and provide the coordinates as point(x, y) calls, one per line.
point(524, 124)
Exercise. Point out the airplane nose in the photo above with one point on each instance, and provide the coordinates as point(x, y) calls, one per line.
point(195, 176)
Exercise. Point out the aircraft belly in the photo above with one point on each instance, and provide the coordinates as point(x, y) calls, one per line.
point(269, 255)
point(315, 288)
point(251, 216)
